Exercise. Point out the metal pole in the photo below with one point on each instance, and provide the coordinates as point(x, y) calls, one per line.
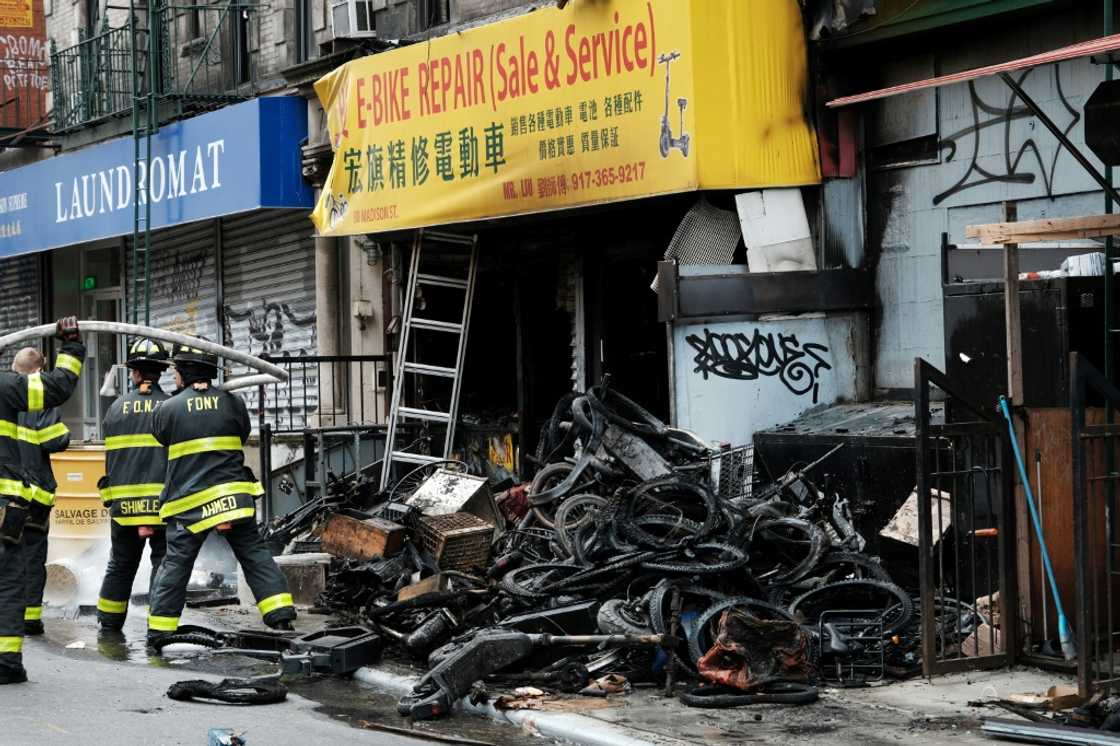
point(1109, 190)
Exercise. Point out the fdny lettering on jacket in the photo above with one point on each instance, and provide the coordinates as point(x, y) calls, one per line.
point(138, 407)
point(201, 403)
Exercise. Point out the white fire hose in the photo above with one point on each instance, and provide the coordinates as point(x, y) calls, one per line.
point(269, 373)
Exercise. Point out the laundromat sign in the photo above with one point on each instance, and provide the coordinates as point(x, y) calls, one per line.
point(239, 158)
point(600, 101)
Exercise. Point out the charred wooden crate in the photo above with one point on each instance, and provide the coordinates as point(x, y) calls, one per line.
point(457, 541)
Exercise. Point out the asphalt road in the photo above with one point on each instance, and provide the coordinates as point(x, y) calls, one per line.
point(96, 701)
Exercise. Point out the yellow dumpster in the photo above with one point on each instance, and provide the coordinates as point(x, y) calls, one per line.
point(79, 520)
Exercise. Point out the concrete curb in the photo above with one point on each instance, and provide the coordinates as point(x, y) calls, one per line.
point(565, 726)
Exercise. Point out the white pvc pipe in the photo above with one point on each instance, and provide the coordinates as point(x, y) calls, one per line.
point(271, 373)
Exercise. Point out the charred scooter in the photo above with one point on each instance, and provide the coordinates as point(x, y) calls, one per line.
point(668, 142)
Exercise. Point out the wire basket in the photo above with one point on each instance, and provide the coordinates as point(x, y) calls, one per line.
point(457, 541)
point(734, 471)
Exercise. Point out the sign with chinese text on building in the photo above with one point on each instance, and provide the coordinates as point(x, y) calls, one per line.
point(603, 100)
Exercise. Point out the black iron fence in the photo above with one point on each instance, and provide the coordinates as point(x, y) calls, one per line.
point(966, 542)
point(1096, 558)
point(325, 391)
point(337, 405)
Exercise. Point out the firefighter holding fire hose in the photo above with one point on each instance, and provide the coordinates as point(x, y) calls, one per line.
point(25, 393)
point(135, 466)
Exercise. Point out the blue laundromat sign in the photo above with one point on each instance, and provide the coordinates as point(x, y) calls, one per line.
point(239, 158)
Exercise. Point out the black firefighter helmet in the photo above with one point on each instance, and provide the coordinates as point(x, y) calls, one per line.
point(147, 353)
point(187, 355)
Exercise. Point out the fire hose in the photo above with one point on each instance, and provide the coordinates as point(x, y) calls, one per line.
point(269, 373)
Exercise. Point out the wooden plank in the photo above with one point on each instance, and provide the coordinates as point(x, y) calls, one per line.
point(1048, 229)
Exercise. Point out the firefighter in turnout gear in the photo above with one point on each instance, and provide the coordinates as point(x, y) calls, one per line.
point(25, 393)
point(135, 467)
point(40, 434)
point(209, 487)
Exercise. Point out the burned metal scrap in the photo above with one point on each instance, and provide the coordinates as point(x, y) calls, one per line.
point(629, 530)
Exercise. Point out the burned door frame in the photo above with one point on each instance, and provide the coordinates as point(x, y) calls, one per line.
point(977, 444)
point(1089, 385)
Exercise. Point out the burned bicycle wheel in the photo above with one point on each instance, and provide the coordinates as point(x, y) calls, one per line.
point(679, 505)
point(547, 478)
point(880, 600)
point(574, 513)
point(537, 581)
point(785, 549)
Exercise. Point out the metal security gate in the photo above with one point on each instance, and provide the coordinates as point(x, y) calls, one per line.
point(20, 298)
point(1096, 542)
point(966, 542)
point(184, 285)
point(268, 305)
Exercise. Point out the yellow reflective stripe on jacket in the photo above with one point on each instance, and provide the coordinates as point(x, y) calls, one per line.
point(35, 392)
point(13, 488)
point(143, 440)
point(39, 495)
point(11, 644)
point(204, 445)
point(68, 362)
point(272, 603)
point(194, 500)
point(163, 623)
point(112, 607)
point(124, 491)
point(220, 518)
point(148, 519)
point(32, 613)
point(35, 437)
point(39, 437)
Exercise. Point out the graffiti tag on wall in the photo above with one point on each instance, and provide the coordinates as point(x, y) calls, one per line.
point(264, 328)
point(748, 357)
point(1021, 165)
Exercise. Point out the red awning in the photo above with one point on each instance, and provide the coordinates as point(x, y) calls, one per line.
point(1084, 49)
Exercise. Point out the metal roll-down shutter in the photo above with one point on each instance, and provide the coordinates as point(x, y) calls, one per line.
point(268, 276)
point(20, 298)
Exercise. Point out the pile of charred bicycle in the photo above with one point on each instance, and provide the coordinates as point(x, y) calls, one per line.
point(638, 556)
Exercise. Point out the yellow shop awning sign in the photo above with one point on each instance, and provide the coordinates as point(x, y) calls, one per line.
point(604, 100)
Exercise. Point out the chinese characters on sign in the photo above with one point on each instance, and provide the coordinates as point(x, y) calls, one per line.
point(556, 108)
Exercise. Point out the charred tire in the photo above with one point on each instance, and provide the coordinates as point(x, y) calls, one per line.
point(659, 597)
point(730, 558)
point(702, 639)
point(566, 526)
point(860, 566)
point(897, 602)
point(616, 618)
point(694, 494)
point(776, 692)
point(816, 543)
point(515, 582)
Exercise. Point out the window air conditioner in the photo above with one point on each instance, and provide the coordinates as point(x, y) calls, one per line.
point(353, 19)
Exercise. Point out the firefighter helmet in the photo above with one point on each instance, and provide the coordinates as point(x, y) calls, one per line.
point(187, 355)
point(145, 351)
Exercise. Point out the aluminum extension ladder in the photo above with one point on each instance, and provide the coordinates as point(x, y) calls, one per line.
point(407, 369)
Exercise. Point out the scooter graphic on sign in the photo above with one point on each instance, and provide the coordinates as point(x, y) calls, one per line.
point(668, 142)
